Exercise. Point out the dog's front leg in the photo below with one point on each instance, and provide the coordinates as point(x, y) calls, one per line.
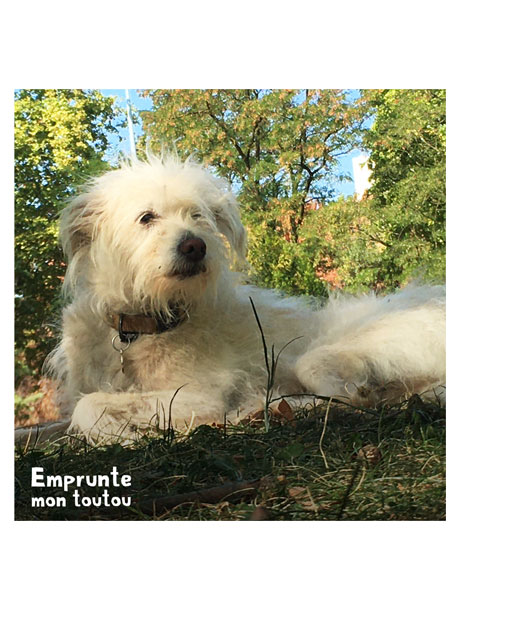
point(115, 417)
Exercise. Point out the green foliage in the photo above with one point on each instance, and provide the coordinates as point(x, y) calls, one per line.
point(284, 265)
point(335, 233)
point(60, 137)
point(398, 232)
point(278, 148)
point(408, 136)
point(24, 405)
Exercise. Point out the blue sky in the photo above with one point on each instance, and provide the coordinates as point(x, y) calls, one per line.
point(139, 103)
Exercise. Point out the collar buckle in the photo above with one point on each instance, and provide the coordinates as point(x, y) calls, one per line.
point(123, 336)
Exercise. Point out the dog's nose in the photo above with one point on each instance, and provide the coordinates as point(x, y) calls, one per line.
point(193, 249)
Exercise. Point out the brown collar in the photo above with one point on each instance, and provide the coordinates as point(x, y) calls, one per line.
point(130, 327)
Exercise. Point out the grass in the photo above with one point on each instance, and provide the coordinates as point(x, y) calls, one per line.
point(326, 463)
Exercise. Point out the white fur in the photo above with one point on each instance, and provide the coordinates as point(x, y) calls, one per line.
point(367, 350)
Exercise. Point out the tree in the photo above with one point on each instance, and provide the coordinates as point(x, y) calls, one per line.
point(398, 233)
point(407, 145)
point(278, 148)
point(60, 139)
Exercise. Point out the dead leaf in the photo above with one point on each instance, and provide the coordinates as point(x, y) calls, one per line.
point(296, 491)
point(285, 410)
point(303, 497)
point(370, 453)
point(255, 417)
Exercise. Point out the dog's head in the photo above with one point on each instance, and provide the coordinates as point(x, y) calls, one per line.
point(151, 233)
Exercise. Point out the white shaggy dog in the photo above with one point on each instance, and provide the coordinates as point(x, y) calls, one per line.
point(159, 328)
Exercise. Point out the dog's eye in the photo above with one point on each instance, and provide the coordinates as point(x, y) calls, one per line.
point(196, 215)
point(147, 218)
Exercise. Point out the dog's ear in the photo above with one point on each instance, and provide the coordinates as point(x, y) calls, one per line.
point(228, 221)
point(77, 222)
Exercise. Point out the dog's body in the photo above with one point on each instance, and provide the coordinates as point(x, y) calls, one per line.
point(152, 241)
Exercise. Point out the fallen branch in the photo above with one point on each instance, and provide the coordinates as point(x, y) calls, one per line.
point(38, 434)
point(232, 491)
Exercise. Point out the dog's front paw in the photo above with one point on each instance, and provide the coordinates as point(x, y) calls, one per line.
point(105, 417)
point(101, 416)
point(88, 412)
